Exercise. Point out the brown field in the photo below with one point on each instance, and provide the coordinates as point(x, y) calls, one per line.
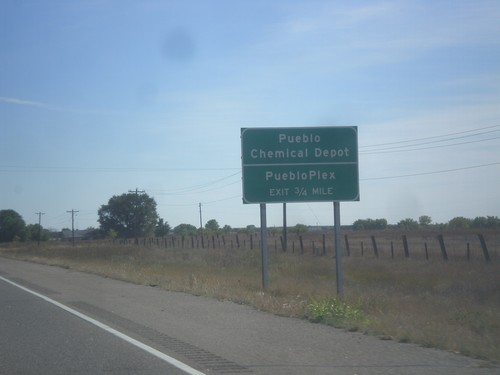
point(449, 304)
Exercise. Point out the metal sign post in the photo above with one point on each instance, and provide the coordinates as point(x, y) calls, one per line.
point(263, 246)
point(338, 250)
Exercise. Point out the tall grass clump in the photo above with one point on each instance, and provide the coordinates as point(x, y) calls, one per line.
point(333, 311)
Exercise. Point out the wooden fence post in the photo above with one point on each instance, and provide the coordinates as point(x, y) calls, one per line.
point(375, 248)
point(301, 245)
point(405, 246)
point(485, 249)
point(426, 251)
point(442, 246)
point(392, 249)
point(347, 248)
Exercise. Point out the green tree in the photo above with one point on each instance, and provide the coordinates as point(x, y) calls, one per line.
point(95, 233)
point(275, 231)
point(492, 222)
point(424, 221)
point(35, 232)
point(358, 224)
point(250, 229)
point(185, 230)
point(380, 223)
point(370, 224)
point(162, 228)
point(212, 225)
point(459, 222)
point(479, 222)
point(129, 215)
point(408, 224)
point(12, 226)
point(300, 229)
point(227, 229)
point(111, 234)
point(486, 222)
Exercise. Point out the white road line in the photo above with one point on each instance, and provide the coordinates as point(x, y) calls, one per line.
point(174, 362)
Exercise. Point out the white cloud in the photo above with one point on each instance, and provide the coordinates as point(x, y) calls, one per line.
point(24, 102)
point(386, 31)
point(315, 18)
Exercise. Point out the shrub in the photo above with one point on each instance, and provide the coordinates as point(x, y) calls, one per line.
point(332, 311)
point(408, 224)
point(370, 224)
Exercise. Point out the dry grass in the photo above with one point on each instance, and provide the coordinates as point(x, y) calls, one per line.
point(450, 305)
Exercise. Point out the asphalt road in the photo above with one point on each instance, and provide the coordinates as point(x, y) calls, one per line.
point(213, 337)
point(38, 337)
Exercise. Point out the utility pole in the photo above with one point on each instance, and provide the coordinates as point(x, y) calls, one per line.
point(201, 230)
point(136, 222)
point(137, 191)
point(39, 225)
point(73, 212)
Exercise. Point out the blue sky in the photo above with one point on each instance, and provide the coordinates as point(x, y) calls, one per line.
point(101, 97)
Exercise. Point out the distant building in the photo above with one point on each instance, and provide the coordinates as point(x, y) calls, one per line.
point(67, 235)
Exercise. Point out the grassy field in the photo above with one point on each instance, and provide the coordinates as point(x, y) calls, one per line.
point(452, 305)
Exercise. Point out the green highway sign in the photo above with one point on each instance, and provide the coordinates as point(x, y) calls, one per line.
point(300, 164)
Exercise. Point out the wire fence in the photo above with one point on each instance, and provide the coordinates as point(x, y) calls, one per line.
point(395, 244)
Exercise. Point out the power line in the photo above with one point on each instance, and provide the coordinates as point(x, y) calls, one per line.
point(223, 199)
point(442, 140)
point(429, 173)
point(196, 188)
point(433, 137)
point(479, 131)
point(38, 168)
point(361, 179)
point(178, 205)
point(201, 191)
point(399, 149)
